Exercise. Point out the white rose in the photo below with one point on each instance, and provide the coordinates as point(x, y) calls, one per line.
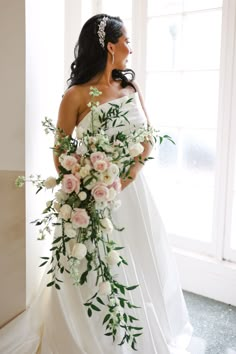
point(65, 211)
point(50, 182)
point(106, 147)
point(79, 132)
point(116, 155)
point(81, 149)
point(136, 149)
point(91, 184)
point(69, 231)
point(115, 205)
point(105, 288)
point(61, 196)
point(84, 171)
point(56, 206)
point(79, 251)
point(92, 140)
point(90, 246)
point(49, 203)
point(113, 258)
point(68, 162)
point(106, 225)
point(112, 194)
point(100, 205)
point(82, 196)
point(113, 170)
point(61, 158)
point(107, 178)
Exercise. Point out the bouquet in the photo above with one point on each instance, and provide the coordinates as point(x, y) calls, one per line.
point(81, 210)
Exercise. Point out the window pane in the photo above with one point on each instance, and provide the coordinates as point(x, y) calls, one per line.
point(201, 40)
point(185, 42)
point(122, 8)
point(183, 58)
point(198, 156)
point(191, 5)
point(200, 99)
point(163, 98)
point(186, 99)
point(163, 42)
point(186, 211)
point(162, 7)
point(165, 7)
point(184, 183)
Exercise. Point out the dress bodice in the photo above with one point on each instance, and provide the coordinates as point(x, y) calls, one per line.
point(136, 116)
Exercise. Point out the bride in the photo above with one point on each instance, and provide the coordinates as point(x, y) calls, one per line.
point(56, 322)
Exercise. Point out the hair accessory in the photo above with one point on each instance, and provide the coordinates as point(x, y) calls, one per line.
point(101, 31)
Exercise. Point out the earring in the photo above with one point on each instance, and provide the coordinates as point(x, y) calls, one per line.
point(112, 58)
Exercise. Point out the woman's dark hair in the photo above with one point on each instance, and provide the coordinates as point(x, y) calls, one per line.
point(91, 57)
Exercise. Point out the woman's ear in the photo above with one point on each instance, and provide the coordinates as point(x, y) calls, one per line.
point(110, 48)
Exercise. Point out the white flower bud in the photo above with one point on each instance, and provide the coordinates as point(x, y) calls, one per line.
point(113, 258)
point(136, 149)
point(79, 251)
point(49, 203)
point(112, 194)
point(82, 196)
point(105, 288)
point(50, 182)
point(81, 149)
point(69, 231)
point(113, 170)
point(56, 206)
point(79, 132)
point(65, 211)
point(106, 225)
point(61, 196)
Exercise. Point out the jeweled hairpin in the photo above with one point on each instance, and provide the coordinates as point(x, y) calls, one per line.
point(101, 31)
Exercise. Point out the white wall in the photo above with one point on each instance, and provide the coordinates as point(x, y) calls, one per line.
point(12, 161)
point(12, 84)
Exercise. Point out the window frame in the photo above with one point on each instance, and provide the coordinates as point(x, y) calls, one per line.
point(213, 264)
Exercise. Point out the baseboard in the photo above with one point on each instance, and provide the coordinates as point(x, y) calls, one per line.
point(206, 276)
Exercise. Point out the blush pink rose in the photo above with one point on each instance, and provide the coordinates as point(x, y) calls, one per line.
point(80, 218)
point(68, 162)
point(70, 184)
point(100, 192)
point(100, 165)
point(96, 156)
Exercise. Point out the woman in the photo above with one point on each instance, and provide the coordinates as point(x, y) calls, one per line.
point(57, 321)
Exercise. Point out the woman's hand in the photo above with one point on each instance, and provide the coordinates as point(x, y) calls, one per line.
point(126, 182)
point(134, 170)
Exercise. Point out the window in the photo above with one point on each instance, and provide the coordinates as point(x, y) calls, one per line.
point(182, 76)
point(184, 57)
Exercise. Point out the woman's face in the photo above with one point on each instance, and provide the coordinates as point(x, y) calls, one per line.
point(122, 51)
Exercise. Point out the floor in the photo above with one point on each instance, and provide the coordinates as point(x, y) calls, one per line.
point(214, 325)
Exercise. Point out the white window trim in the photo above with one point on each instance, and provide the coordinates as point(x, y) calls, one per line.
point(226, 135)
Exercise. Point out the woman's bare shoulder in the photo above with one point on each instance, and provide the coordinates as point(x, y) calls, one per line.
point(75, 93)
point(75, 99)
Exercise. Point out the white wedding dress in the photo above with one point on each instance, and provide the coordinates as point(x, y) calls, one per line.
point(57, 322)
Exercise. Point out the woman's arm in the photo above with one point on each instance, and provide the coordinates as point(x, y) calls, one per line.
point(134, 170)
point(67, 116)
